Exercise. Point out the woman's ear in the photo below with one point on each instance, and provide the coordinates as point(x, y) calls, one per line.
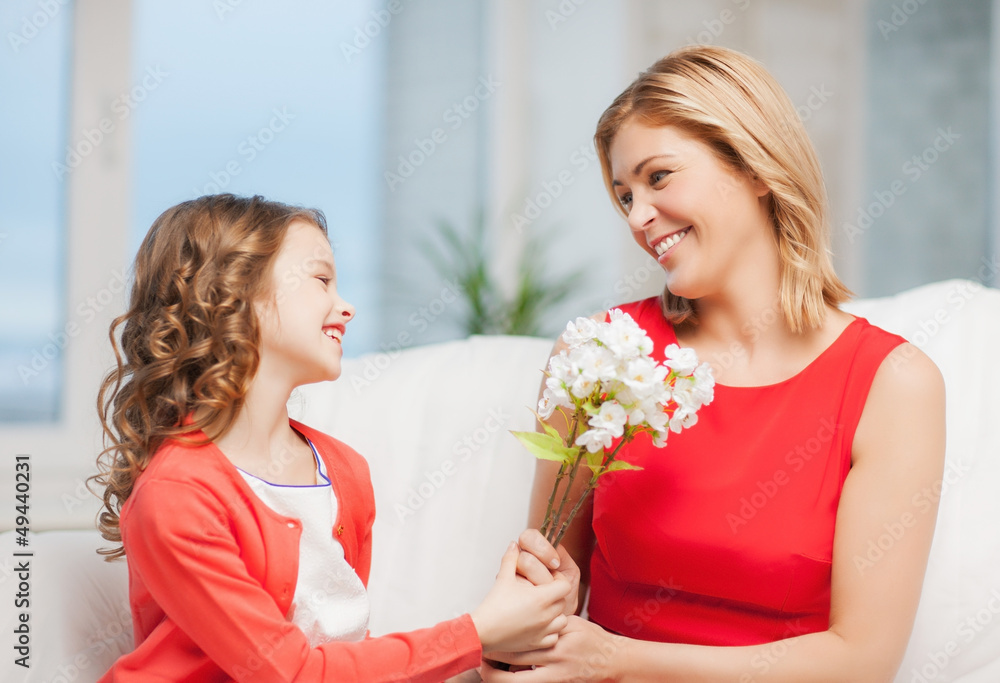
point(759, 188)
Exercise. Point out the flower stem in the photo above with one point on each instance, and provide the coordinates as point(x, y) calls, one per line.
point(572, 513)
point(548, 521)
point(626, 437)
point(565, 497)
point(552, 497)
point(564, 527)
point(552, 522)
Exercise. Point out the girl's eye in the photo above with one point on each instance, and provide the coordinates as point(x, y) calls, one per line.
point(626, 199)
point(325, 280)
point(657, 176)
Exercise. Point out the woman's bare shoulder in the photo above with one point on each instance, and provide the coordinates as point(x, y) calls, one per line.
point(905, 370)
point(905, 406)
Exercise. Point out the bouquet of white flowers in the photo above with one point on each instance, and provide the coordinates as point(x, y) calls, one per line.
point(609, 387)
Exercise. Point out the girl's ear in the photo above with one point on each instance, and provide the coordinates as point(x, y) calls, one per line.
point(265, 308)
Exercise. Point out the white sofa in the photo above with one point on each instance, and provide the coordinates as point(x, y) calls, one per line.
point(452, 486)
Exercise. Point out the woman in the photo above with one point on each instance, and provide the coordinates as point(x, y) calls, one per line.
point(778, 539)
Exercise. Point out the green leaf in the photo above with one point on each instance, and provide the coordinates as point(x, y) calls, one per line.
point(595, 461)
point(546, 446)
point(621, 465)
point(549, 429)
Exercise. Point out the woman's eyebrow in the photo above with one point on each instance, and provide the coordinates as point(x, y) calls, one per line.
point(638, 167)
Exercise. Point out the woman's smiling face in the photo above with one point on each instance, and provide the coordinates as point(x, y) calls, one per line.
point(702, 220)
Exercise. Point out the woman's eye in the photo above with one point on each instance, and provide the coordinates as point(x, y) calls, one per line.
point(626, 200)
point(657, 176)
point(325, 280)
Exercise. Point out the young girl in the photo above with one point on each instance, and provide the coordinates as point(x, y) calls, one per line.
point(744, 550)
point(247, 534)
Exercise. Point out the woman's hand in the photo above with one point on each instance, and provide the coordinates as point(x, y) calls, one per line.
point(540, 564)
point(518, 616)
point(584, 652)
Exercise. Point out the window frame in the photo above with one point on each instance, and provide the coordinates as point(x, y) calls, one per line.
point(63, 452)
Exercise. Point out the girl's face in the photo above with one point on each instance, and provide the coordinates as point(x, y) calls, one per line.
point(303, 320)
point(701, 220)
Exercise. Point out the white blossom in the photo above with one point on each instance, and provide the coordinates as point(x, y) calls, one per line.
point(656, 418)
point(546, 405)
point(644, 376)
point(596, 363)
point(580, 331)
point(624, 337)
point(683, 417)
point(594, 440)
point(610, 366)
point(704, 387)
point(557, 391)
point(561, 368)
point(683, 361)
point(610, 418)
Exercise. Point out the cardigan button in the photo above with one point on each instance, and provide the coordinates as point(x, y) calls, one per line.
point(292, 525)
point(340, 530)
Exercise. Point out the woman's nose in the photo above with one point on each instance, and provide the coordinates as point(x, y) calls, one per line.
point(641, 215)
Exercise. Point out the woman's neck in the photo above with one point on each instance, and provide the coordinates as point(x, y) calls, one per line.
point(745, 307)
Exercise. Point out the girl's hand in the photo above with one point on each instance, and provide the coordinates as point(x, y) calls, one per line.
point(584, 652)
point(517, 616)
point(540, 564)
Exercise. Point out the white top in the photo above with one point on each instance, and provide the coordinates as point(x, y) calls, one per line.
point(330, 602)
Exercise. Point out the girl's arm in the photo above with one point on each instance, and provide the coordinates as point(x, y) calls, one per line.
point(179, 539)
point(888, 503)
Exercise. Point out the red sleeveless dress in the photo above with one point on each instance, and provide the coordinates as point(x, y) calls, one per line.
point(726, 535)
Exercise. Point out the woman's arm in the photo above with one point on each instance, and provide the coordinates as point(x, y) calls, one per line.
point(885, 523)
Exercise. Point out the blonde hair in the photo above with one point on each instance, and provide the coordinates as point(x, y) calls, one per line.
point(731, 103)
point(191, 336)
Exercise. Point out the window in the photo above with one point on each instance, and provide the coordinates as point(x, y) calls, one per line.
point(277, 99)
point(34, 80)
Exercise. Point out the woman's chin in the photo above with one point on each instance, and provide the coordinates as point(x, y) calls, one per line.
point(680, 286)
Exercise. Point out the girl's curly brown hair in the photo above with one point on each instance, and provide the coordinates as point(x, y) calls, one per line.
point(190, 341)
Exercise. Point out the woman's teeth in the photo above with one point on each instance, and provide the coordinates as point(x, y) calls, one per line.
point(662, 247)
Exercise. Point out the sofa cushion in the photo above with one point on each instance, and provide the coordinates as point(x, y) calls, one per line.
point(80, 621)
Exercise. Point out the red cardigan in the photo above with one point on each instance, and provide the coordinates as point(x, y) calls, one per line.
point(212, 572)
